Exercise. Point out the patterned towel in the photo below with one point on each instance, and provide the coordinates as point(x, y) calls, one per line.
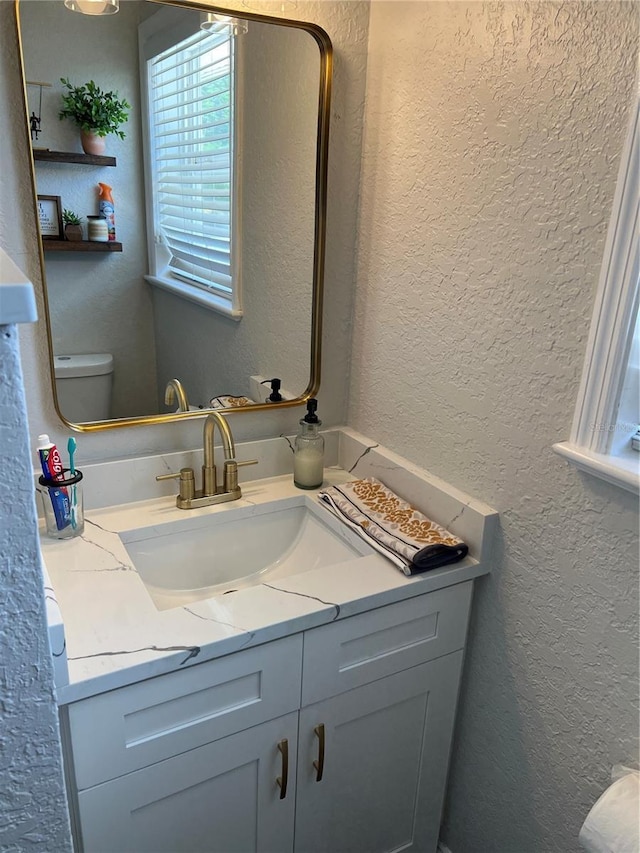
point(389, 524)
point(227, 401)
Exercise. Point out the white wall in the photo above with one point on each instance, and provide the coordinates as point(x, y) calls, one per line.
point(33, 811)
point(32, 805)
point(492, 140)
point(99, 303)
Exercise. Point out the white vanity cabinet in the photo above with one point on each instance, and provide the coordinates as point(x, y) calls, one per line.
point(333, 740)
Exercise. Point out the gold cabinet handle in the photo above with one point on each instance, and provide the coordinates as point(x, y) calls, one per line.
point(283, 748)
point(319, 762)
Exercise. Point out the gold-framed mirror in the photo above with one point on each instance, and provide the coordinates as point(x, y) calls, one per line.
point(214, 275)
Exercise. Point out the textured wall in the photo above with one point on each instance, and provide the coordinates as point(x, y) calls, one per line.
point(33, 814)
point(492, 140)
point(99, 303)
point(33, 811)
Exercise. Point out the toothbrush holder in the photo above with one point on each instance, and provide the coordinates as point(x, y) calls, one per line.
point(62, 504)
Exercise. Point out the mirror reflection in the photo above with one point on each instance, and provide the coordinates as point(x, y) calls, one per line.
point(204, 268)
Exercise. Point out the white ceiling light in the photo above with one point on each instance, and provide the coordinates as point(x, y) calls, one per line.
point(217, 23)
point(93, 7)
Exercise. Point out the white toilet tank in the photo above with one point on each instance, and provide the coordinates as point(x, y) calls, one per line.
point(83, 384)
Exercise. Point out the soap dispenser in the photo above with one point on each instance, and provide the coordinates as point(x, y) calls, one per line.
point(308, 459)
point(275, 396)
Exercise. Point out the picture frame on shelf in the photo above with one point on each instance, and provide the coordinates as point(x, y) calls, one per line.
point(50, 217)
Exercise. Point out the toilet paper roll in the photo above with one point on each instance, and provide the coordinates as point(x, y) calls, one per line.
point(612, 825)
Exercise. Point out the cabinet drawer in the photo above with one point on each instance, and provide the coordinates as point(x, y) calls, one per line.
point(135, 726)
point(361, 649)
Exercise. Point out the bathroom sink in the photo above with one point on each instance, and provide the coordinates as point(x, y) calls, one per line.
point(214, 554)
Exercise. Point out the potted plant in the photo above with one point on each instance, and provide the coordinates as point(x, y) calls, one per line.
point(96, 113)
point(72, 225)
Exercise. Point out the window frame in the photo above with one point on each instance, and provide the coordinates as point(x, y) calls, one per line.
point(611, 332)
point(159, 32)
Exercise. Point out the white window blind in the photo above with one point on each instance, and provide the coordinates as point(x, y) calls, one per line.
point(191, 103)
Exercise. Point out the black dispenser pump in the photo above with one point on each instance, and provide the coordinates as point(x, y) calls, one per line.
point(311, 417)
point(275, 396)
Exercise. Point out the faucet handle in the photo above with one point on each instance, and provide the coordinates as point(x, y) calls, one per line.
point(168, 476)
point(230, 474)
point(187, 482)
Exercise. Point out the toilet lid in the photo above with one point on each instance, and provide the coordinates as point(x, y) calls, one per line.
point(92, 364)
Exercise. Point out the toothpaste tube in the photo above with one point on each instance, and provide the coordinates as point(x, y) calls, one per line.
point(53, 470)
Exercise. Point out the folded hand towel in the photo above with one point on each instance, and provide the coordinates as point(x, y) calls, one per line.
point(389, 524)
point(227, 401)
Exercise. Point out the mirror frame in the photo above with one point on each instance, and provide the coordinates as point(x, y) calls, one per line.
point(320, 217)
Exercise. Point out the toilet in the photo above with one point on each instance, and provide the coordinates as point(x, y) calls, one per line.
point(83, 385)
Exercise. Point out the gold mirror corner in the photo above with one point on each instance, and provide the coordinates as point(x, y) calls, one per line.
point(205, 277)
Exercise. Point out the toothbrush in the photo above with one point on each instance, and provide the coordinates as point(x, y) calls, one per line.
point(71, 448)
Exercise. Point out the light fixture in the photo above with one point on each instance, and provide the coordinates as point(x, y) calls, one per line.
point(217, 23)
point(93, 7)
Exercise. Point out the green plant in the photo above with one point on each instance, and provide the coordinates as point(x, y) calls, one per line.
point(94, 110)
point(71, 218)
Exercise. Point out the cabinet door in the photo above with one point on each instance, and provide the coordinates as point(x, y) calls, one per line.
point(386, 750)
point(220, 798)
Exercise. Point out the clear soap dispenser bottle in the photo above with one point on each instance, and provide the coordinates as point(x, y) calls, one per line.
point(308, 459)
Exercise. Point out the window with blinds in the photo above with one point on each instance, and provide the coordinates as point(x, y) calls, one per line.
point(191, 141)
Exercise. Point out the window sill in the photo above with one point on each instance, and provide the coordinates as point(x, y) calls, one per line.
point(194, 294)
point(621, 471)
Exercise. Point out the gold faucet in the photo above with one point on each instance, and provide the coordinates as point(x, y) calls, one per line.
point(211, 493)
point(175, 392)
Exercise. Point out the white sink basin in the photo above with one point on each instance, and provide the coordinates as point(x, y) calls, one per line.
point(195, 559)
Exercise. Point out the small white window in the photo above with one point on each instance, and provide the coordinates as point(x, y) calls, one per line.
point(607, 411)
point(192, 179)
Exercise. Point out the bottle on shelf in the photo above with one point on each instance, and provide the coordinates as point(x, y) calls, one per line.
point(107, 209)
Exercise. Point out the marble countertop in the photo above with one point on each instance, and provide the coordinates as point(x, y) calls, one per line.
point(115, 635)
point(112, 633)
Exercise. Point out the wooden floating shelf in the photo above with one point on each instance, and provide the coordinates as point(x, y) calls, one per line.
point(80, 246)
point(73, 157)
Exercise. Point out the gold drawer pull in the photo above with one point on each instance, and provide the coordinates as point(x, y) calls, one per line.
point(283, 748)
point(319, 762)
